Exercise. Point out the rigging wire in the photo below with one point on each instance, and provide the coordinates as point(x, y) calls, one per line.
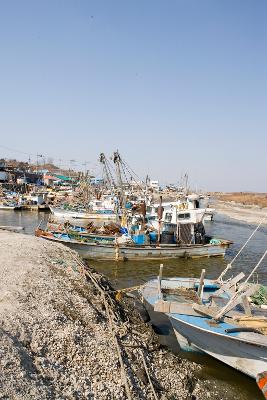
point(229, 266)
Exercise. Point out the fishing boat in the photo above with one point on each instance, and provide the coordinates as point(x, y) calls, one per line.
point(235, 338)
point(9, 206)
point(107, 233)
point(185, 209)
point(83, 214)
point(11, 228)
point(220, 318)
point(94, 249)
point(144, 241)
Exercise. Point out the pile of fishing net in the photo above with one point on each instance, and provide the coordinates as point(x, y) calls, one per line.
point(260, 297)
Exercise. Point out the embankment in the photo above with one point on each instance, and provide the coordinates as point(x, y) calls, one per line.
point(251, 214)
point(64, 335)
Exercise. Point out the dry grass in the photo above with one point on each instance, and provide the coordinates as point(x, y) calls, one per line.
point(256, 199)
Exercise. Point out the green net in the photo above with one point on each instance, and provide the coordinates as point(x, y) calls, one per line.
point(261, 296)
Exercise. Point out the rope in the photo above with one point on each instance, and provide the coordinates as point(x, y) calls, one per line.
point(229, 266)
point(256, 267)
point(111, 324)
point(148, 375)
point(112, 331)
point(236, 294)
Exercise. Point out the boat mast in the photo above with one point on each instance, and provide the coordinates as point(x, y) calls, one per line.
point(117, 161)
point(107, 172)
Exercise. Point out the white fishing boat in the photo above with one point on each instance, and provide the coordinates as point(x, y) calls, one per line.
point(235, 339)
point(10, 228)
point(219, 318)
point(185, 209)
point(103, 214)
point(9, 207)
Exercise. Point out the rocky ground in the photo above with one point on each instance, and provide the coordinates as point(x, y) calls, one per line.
point(65, 335)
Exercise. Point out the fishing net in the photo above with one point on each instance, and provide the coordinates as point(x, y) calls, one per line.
point(260, 297)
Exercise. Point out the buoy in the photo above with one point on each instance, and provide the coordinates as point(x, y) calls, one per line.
point(262, 382)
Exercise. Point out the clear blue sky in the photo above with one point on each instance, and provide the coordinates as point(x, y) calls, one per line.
point(175, 85)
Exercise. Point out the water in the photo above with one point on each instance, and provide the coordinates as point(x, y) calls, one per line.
point(27, 219)
point(131, 273)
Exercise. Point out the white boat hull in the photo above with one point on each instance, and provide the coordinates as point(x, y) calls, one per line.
point(247, 357)
point(65, 214)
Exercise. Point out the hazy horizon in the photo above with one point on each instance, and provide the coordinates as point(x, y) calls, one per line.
point(175, 86)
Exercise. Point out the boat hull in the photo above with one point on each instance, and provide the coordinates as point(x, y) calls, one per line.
point(82, 215)
point(249, 358)
point(10, 208)
point(111, 251)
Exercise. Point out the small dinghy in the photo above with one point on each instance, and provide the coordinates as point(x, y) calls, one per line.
point(222, 318)
point(212, 318)
point(17, 229)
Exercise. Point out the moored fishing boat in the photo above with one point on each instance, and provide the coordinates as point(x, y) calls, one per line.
point(9, 207)
point(235, 339)
point(83, 214)
point(106, 233)
point(224, 319)
point(89, 249)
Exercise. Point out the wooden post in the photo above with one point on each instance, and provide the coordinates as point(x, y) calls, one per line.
point(117, 251)
point(201, 284)
point(159, 280)
point(246, 305)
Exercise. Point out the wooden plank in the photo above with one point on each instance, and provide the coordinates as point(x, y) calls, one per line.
point(206, 310)
point(237, 299)
point(159, 281)
point(201, 284)
point(212, 311)
point(229, 285)
point(171, 307)
point(246, 305)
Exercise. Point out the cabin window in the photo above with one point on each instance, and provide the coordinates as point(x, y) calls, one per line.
point(168, 217)
point(184, 216)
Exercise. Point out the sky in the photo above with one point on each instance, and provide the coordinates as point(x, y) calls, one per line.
point(175, 85)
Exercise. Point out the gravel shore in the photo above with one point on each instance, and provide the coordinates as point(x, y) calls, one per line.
point(249, 214)
point(64, 335)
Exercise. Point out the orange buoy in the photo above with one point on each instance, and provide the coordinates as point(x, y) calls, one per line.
point(262, 382)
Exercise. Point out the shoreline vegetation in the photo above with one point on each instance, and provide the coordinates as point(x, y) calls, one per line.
point(245, 199)
point(246, 207)
point(65, 334)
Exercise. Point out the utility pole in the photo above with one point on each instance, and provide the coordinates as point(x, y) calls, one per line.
point(71, 162)
point(37, 165)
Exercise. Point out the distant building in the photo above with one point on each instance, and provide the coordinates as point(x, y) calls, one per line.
point(50, 180)
point(155, 185)
point(3, 176)
point(96, 181)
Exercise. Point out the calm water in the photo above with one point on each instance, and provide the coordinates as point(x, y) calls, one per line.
point(127, 274)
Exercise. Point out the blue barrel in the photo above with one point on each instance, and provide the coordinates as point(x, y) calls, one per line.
point(153, 236)
point(138, 239)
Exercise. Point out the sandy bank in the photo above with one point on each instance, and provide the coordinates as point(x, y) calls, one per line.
point(56, 340)
point(249, 214)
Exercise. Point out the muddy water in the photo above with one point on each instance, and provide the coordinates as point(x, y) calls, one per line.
point(232, 383)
